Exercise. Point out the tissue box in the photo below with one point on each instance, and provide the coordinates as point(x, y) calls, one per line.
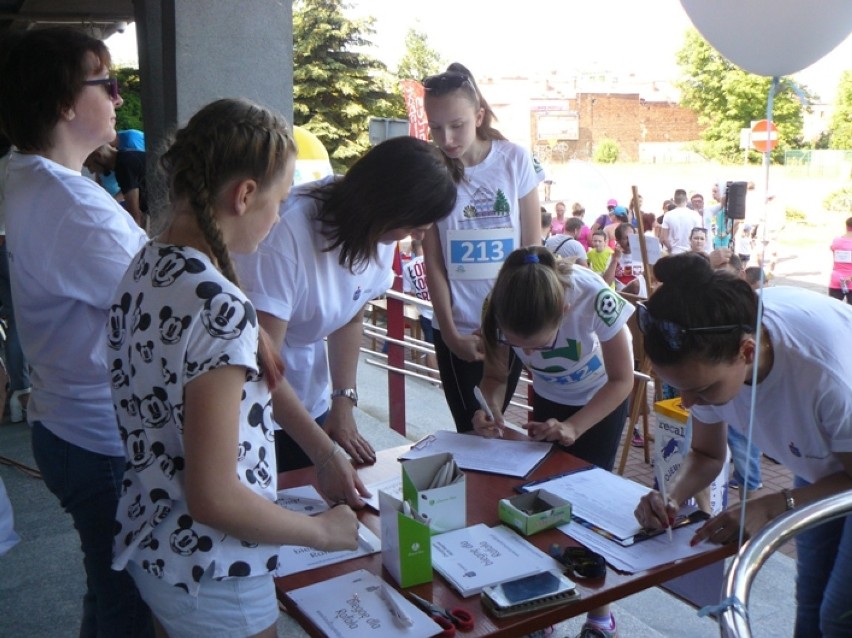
point(444, 507)
point(534, 511)
point(406, 544)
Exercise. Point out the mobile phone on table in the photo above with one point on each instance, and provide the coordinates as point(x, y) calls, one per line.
point(531, 593)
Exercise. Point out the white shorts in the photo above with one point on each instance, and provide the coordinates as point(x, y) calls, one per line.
point(229, 608)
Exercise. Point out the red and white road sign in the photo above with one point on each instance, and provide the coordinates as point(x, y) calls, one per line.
point(764, 136)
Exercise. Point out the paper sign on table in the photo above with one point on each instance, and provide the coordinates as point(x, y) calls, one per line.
point(304, 499)
point(293, 559)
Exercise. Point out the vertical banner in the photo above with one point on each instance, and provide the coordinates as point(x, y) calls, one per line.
point(418, 126)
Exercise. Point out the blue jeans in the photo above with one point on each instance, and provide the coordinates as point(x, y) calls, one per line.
point(824, 579)
point(19, 376)
point(88, 486)
point(744, 458)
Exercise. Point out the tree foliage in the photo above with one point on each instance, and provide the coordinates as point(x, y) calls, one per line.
point(419, 59)
point(840, 129)
point(130, 113)
point(728, 99)
point(336, 86)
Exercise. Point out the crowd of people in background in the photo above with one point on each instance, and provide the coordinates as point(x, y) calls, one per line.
point(224, 349)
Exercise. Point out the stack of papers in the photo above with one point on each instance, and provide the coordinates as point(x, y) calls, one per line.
point(472, 452)
point(352, 605)
point(476, 557)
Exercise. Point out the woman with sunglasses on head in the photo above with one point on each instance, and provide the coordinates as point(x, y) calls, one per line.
point(705, 336)
point(69, 244)
point(568, 327)
point(497, 211)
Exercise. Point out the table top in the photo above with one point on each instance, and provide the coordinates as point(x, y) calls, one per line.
point(483, 493)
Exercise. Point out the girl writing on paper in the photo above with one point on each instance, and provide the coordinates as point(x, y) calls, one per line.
point(497, 211)
point(702, 335)
point(197, 524)
point(569, 329)
point(332, 253)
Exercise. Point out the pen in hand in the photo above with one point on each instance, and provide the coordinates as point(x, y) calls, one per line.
point(490, 414)
point(661, 484)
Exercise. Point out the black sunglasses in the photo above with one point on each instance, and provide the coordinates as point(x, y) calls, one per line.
point(673, 333)
point(444, 82)
point(110, 84)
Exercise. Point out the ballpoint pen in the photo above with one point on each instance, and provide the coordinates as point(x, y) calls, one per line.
point(485, 408)
point(661, 484)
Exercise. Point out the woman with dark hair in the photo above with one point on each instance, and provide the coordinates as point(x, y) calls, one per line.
point(69, 244)
point(497, 211)
point(706, 336)
point(311, 278)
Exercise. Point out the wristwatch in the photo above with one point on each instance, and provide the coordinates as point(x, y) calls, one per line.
point(788, 497)
point(349, 393)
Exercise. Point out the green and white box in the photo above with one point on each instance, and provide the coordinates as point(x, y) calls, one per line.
point(534, 511)
point(406, 544)
point(444, 507)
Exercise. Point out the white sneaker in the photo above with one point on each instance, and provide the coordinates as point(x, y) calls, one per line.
point(16, 408)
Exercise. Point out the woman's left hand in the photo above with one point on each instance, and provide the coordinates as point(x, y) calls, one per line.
point(725, 528)
point(341, 427)
point(562, 432)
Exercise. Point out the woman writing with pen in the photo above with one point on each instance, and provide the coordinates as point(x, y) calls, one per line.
point(569, 329)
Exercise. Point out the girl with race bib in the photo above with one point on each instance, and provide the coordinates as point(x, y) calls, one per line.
point(497, 211)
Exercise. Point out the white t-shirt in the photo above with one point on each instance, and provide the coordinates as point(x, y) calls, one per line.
point(803, 415)
point(175, 317)
point(680, 222)
point(574, 371)
point(484, 227)
point(293, 278)
point(69, 245)
point(414, 282)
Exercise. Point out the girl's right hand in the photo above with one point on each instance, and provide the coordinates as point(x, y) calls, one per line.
point(339, 528)
point(487, 428)
point(466, 347)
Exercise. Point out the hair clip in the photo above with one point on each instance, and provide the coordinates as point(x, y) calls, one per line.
point(531, 258)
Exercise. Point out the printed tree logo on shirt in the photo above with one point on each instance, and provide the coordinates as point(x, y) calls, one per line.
point(501, 203)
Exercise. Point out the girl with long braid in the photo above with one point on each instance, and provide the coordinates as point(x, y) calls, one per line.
point(197, 526)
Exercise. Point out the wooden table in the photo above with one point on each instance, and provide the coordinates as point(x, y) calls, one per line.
point(483, 493)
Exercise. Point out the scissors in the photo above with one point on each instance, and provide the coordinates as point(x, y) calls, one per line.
point(448, 619)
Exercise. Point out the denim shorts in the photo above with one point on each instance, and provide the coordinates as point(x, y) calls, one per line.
point(228, 608)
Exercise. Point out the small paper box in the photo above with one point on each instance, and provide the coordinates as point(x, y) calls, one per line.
point(534, 511)
point(406, 544)
point(444, 507)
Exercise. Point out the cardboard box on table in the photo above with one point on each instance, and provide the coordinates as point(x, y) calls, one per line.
point(534, 511)
point(444, 507)
point(406, 544)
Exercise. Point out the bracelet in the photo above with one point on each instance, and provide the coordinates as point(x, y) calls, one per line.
point(334, 450)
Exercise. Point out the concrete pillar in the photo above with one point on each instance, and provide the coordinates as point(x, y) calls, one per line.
point(192, 52)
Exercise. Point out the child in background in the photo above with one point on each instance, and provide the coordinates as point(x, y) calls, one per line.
point(414, 283)
point(585, 235)
point(197, 524)
point(745, 244)
point(599, 254)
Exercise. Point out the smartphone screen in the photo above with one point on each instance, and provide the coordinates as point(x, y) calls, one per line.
point(530, 587)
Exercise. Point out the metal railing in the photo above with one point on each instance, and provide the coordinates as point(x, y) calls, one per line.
point(734, 622)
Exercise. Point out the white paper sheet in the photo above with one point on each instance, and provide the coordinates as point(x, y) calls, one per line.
point(351, 605)
point(471, 452)
point(303, 499)
point(601, 498)
point(293, 559)
point(392, 486)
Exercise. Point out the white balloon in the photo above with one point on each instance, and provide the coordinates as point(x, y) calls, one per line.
point(772, 37)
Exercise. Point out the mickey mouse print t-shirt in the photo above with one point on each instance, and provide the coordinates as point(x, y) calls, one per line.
point(175, 317)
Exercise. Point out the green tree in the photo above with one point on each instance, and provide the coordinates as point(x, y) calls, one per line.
point(130, 113)
point(419, 59)
point(840, 129)
point(728, 99)
point(336, 87)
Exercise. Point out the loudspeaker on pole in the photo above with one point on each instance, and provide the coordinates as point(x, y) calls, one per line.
point(736, 200)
